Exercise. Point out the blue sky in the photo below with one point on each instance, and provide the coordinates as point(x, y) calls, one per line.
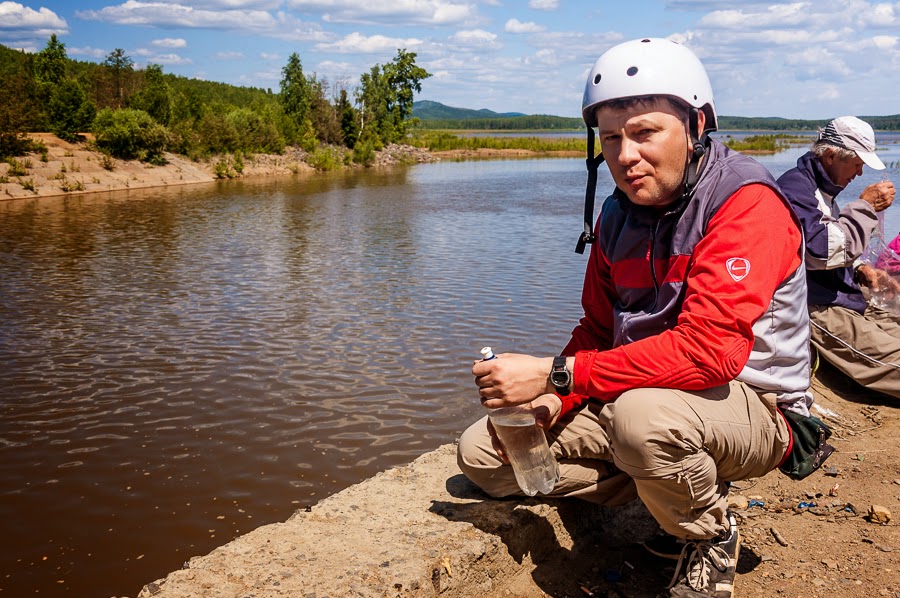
point(815, 59)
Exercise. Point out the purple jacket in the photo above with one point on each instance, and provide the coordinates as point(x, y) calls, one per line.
point(835, 237)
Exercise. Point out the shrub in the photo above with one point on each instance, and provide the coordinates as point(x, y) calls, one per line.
point(16, 168)
point(130, 134)
point(364, 153)
point(326, 158)
point(223, 170)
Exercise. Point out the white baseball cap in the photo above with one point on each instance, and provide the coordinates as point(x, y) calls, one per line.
point(853, 134)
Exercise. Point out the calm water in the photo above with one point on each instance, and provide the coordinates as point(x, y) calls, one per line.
point(184, 365)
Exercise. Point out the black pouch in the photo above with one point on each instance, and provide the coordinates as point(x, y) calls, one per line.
point(809, 449)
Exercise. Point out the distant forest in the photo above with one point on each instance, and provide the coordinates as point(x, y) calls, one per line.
point(140, 113)
point(434, 115)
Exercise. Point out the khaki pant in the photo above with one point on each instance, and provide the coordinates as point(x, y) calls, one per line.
point(864, 347)
point(676, 450)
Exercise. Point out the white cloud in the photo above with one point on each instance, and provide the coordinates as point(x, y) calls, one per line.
point(475, 38)
point(517, 26)
point(229, 55)
point(880, 16)
point(16, 16)
point(164, 14)
point(396, 12)
point(268, 56)
point(885, 42)
point(361, 44)
point(543, 4)
point(544, 56)
point(169, 42)
point(19, 19)
point(87, 51)
point(170, 59)
point(773, 16)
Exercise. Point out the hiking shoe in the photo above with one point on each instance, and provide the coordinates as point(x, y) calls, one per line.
point(665, 546)
point(707, 567)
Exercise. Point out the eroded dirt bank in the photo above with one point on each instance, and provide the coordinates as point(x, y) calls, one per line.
point(75, 168)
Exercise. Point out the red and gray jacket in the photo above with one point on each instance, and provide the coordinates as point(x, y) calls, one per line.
point(706, 291)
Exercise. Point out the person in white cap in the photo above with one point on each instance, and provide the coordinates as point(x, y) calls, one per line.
point(860, 340)
point(695, 334)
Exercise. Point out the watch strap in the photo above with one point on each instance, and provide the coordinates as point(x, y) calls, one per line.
point(560, 376)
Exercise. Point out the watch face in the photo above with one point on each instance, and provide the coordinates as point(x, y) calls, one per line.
point(560, 378)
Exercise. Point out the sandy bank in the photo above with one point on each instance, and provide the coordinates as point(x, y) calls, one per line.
point(424, 530)
point(73, 168)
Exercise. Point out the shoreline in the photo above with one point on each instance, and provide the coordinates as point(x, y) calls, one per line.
point(70, 169)
point(423, 530)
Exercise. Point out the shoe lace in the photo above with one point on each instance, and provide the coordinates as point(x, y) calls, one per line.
point(699, 555)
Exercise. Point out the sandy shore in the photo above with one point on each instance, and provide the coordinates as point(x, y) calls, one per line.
point(74, 168)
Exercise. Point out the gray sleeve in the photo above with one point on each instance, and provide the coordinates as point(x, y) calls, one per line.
point(848, 236)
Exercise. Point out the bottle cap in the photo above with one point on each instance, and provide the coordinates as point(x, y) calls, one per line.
point(487, 353)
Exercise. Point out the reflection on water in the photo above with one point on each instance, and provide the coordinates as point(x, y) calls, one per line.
point(181, 366)
point(184, 365)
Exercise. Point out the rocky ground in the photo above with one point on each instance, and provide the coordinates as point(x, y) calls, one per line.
point(833, 534)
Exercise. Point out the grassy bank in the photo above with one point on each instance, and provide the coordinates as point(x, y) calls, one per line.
point(442, 141)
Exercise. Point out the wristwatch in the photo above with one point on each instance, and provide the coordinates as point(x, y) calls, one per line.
point(560, 376)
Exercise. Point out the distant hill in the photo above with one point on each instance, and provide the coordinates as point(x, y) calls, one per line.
point(428, 110)
point(435, 115)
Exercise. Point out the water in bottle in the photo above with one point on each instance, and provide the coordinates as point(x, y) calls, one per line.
point(535, 468)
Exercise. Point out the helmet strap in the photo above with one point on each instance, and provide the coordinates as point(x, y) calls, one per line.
point(699, 146)
point(593, 163)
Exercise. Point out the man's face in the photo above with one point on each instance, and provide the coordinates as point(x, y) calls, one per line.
point(646, 149)
point(841, 170)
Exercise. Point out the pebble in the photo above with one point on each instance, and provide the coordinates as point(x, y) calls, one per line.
point(879, 514)
point(738, 502)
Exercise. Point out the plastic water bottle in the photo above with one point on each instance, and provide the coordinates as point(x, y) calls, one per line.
point(525, 444)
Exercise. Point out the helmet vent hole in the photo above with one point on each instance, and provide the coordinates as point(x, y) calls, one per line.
point(695, 97)
point(597, 78)
point(645, 41)
point(632, 71)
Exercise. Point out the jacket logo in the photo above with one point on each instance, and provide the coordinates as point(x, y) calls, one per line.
point(738, 268)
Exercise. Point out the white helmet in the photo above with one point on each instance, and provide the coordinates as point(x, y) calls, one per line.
point(649, 66)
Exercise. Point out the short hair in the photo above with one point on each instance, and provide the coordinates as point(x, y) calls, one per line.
point(841, 153)
point(681, 108)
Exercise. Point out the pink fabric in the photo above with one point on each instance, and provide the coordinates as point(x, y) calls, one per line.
point(890, 257)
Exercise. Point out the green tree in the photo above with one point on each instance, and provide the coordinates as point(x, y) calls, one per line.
point(349, 128)
point(405, 80)
point(70, 110)
point(50, 63)
point(295, 91)
point(155, 97)
point(18, 108)
point(325, 119)
point(386, 97)
point(120, 67)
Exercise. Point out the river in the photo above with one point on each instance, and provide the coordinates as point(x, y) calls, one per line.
point(183, 365)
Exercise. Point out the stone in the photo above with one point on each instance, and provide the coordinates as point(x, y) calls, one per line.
point(879, 514)
point(738, 502)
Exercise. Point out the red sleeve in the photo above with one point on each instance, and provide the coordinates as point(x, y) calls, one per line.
point(712, 339)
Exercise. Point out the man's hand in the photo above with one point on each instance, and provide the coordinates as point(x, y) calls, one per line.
point(546, 408)
point(876, 279)
point(511, 379)
point(880, 195)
